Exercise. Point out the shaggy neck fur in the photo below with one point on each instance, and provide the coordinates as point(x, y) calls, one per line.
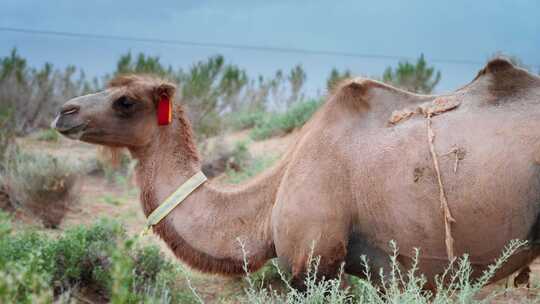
point(207, 229)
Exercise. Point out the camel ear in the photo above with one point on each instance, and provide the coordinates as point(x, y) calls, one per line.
point(165, 89)
point(164, 96)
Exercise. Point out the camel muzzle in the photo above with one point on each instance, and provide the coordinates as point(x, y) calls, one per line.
point(66, 122)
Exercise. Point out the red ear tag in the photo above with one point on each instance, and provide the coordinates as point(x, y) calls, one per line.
point(164, 110)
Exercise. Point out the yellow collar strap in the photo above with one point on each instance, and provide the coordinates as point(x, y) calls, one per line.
point(174, 200)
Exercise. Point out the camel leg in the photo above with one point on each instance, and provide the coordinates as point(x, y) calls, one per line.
point(301, 238)
point(321, 263)
point(376, 259)
point(523, 278)
point(309, 221)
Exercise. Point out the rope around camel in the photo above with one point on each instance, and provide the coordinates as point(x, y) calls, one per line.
point(448, 219)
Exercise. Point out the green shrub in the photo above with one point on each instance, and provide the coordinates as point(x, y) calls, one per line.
point(5, 224)
point(100, 257)
point(24, 267)
point(146, 277)
point(254, 167)
point(21, 284)
point(82, 255)
point(240, 155)
point(49, 135)
point(220, 157)
point(7, 134)
point(246, 119)
point(283, 123)
point(40, 184)
point(455, 285)
point(268, 274)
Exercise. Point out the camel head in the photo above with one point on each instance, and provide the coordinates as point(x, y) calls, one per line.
point(123, 115)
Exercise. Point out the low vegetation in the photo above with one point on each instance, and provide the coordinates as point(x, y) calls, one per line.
point(7, 134)
point(252, 168)
point(48, 135)
point(455, 285)
point(40, 184)
point(94, 263)
point(243, 120)
point(275, 124)
point(101, 263)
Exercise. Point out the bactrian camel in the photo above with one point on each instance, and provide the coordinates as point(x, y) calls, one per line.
point(449, 174)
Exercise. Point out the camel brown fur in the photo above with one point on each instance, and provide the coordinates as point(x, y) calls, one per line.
point(351, 183)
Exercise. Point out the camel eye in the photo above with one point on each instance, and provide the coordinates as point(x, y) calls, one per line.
point(124, 103)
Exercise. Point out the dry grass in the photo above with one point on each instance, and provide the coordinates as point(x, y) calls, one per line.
point(40, 184)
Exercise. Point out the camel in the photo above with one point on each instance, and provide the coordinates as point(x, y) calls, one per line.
point(449, 174)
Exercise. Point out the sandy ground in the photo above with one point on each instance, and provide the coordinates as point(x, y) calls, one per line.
point(119, 200)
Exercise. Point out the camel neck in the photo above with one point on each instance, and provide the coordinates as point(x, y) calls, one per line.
point(207, 229)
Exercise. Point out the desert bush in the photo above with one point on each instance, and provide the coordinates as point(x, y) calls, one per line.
point(245, 119)
point(7, 138)
point(48, 135)
point(283, 123)
point(7, 133)
point(21, 284)
point(23, 271)
point(146, 277)
point(35, 268)
point(40, 184)
point(253, 167)
point(317, 290)
point(455, 285)
point(268, 274)
point(240, 155)
point(219, 157)
point(81, 256)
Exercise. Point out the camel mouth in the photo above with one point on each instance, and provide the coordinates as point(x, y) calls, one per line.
point(75, 132)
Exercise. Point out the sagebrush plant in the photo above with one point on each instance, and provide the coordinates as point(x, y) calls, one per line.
point(282, 123)
point(40, 184)
point(455, 285)
point(316, 290)
point(268, 274)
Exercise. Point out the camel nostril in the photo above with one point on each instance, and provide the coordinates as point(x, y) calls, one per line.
point(70, 110)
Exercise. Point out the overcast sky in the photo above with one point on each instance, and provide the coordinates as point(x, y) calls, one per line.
point(445, 30)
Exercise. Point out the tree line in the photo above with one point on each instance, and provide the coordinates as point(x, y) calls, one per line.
point(211, 89)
